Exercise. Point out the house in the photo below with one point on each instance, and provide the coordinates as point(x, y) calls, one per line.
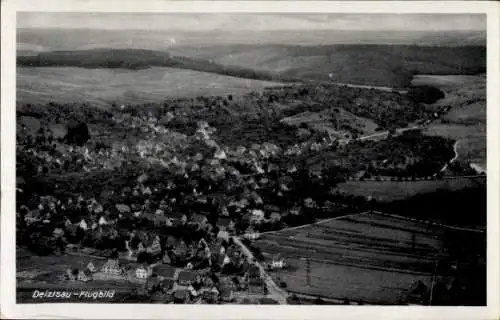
point(181, 249)
point(278, 262)
point(83, 224)
point(102, 221)
point(223, 235)
point(257, 213)
point(91, 267)
point(251, 234)
point(71, 274)
point(122, 208)
point(32, 216)
point(166, 284)
point(225, 224)
point(160, 220)
point(199, 220)
point(112, 266)
point(226, 293)
point(164, 272)
point(142, 273)
point(275, 217)
point(84, 275)
point(187, 278)
point(218, 248)
point(152, 284)
point(58, 232)
point(182, 296)
point(154, 248)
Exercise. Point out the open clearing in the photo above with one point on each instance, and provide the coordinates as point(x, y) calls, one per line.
point(104, 86)
point(367, 257)
point(466, 119)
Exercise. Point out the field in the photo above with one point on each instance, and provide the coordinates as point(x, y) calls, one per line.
point(45, 273)
point(104, 86)
point(466, 119)
point(335, 124)
point(367, 257)
point(397, 190)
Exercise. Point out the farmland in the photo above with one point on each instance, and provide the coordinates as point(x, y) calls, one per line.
point(367, 257)
point(396, 190)
point(104, 86)
point(466, 119)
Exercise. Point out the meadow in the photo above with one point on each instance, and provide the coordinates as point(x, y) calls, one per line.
point(366, 257)
point(465, 121)
point(104, 86)
point(386, 191)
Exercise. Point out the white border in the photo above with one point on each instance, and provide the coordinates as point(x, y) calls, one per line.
point(8, 307)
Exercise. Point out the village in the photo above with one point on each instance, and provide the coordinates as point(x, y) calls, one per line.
point(173, 211)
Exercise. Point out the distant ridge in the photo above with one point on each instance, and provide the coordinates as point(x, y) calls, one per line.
point(362, 64)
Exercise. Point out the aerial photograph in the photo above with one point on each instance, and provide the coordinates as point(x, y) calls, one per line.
point(251, 158)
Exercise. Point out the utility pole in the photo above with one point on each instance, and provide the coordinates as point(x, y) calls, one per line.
point(433, 282)
point(308, 270)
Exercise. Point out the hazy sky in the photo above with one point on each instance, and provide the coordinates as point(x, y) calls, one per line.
point(257, 22)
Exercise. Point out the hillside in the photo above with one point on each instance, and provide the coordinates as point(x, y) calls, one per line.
point(134, 59)
point(384, 65)
point(370, 64)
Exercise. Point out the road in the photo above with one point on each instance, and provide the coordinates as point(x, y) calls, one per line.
point(455, 145)
point(274, 292)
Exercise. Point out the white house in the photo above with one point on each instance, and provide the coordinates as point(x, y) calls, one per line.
point(102, 221)
point(141, 273)
point(278, 262)
point(83, 224)
point(251, 234)
point(91, 267)
point(220, 154)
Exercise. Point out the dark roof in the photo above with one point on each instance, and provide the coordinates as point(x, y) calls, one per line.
point(181, 294)
point(185, 275)
point(223, 221)
point(165, 271)
point(198, 218)
point(167, 283)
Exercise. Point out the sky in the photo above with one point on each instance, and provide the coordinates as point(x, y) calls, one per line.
point(253, 22)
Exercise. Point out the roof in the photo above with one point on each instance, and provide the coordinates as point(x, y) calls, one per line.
point(181, 294)
point(112, 264)
point(223, 221)
point(198, 218)
point(123, 208)
point(165, 271)
point(275, 215)
point(186, 275)
point(223, 234)
point(167, 283)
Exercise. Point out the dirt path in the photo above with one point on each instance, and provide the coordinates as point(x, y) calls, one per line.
point(455, 145)
point(274, 292)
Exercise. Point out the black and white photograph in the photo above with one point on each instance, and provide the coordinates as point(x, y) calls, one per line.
point(251, 158)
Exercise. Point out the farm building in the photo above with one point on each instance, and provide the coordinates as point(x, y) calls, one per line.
point(251, 234)
point(112, 267)
point(278, 262)
point(142, 273)
point(84, 275)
